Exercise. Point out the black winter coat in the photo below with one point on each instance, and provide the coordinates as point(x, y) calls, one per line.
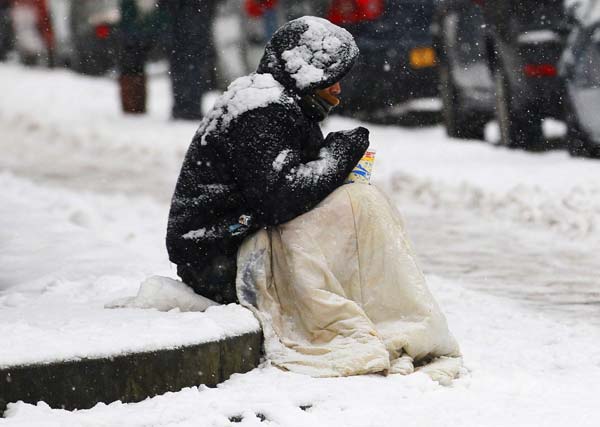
point(260, 151)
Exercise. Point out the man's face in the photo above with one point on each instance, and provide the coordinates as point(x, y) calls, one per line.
point(335, 89)
point(331, 93)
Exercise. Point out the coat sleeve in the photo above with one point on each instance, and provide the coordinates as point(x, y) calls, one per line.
point(277, 182)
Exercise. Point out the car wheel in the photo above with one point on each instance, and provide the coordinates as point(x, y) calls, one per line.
point(518, 129)
point(578, 142)
point(459, 123)
point(577, 146)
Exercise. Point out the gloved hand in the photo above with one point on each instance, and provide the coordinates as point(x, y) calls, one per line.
point(358, 137)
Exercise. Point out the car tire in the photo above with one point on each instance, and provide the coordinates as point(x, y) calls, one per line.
point(517, 129)
point(458, 122)
point(578, 142)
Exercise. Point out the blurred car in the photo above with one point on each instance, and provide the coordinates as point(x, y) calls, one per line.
point(397, 63)
point(466, 79)
point(93, 27)
point(521, 43)
point(581, 70)
point(528, 39)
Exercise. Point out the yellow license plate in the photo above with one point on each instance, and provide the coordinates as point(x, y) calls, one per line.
point(422, 57)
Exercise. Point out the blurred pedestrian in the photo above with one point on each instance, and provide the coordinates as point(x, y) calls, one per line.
point(265, 10)
point(6, 32)
point(34, 38)
point(191, 54)
point(275, 13)
point(141, 25)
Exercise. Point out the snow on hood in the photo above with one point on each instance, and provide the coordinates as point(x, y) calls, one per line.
point(587, 12)
point(309, 53)
point(244, 94)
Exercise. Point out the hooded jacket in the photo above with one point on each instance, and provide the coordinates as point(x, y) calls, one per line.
point(260, 151)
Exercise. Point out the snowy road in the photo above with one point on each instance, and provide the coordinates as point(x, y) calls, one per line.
point(513, 233)
point(553, 273)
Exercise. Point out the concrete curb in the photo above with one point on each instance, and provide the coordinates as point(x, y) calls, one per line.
point(81, 384)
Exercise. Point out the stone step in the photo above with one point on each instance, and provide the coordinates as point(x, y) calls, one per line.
point(81, 384)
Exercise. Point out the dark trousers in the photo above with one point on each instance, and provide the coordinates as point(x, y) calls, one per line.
point(133, 56)
point(191, 54)
point(132, 79)
point(214, 279)
point(6, 33)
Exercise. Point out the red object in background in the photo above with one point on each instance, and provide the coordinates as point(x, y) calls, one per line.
point(102, 31)
point(256, 8)
point(355, 11)
point(540, 70)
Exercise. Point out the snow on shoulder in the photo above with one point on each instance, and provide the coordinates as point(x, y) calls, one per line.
point(244, 94)
point(317, 54)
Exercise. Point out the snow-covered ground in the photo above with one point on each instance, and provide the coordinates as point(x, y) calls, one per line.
point(523, 370)
point(510, 242)
point(65, 255)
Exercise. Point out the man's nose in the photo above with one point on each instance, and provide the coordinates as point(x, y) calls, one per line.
point(336, 89)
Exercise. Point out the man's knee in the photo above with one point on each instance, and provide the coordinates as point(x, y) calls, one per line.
point(215, 280)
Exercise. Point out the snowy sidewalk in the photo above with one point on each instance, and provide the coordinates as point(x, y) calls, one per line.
point(83, 218)
point(65, 255)
point(523, 370)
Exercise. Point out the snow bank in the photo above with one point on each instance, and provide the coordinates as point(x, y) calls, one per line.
point(575, 212)
point(548, 190)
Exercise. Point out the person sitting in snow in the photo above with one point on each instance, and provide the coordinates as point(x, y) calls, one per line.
point(260, 154)
point(261, 214)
